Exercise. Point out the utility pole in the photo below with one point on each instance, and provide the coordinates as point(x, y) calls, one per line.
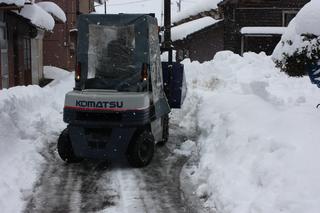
point(105, 7)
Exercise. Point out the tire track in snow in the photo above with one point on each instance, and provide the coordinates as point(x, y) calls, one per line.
point(101, 187)
point(70, 187)
point(155, 188)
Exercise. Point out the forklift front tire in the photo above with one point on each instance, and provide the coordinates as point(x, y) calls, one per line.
point(141, 149)
point(65, 150)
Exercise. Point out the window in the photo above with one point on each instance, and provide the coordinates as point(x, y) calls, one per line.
point(287, 16)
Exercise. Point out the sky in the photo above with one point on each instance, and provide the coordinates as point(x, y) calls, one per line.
point(143, 6)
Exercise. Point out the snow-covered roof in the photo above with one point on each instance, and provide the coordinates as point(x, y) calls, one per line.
point(182, 31)
point(37, 16)
point(15, 2)
point(263, 30)
point(201, 6)
point(53, 9)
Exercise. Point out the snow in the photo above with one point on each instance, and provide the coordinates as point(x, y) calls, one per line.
point(182, 31)
point(201, 6)
point(263, 30)
point(15, 2)
point(257, 141)
point(30, 119)
point(305, 22)
point(258, 136)
point(186, 148)
point(53, 9)
point(38, 16)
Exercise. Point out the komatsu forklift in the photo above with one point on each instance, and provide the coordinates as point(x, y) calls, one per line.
point(123, 92)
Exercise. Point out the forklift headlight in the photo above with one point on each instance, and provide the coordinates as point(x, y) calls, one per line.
point(144, 72)
point(78, 72)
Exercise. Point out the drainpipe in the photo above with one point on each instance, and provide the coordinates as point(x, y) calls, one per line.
point(167, 45)
point(167, 29)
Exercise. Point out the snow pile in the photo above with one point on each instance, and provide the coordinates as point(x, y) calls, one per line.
point(37, 16)
point(30, 118)
point(15, 2)
point(201, 6)
point(182, 31)
point(306, 22)
point(53, 9)
point(259, 135)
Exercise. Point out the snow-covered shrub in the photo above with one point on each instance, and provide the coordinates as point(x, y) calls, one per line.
point(300, 44)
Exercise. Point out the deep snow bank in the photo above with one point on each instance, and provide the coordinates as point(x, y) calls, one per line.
point(30, 118)
point(258, 146)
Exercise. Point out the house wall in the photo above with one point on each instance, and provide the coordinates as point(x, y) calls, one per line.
point(202, 45)
point(245, 13)
point(19, 49)
point(58, 44)
point(256, 43)
point(3, 46)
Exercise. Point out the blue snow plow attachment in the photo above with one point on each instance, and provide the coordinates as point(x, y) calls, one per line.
point(175, 84)
point(314, 73)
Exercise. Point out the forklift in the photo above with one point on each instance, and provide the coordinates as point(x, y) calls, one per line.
point(123, 92)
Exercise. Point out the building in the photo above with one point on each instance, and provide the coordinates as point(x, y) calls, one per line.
point(199, 39)
point(60, 44)
point(247, 25)
point(256, 25)
point(22, 26)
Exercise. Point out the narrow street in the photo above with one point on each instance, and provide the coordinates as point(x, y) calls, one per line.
point(111, 186)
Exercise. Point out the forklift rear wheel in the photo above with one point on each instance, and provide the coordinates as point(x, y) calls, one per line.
point(141, 149)
point(65, 148)
point(165, 133)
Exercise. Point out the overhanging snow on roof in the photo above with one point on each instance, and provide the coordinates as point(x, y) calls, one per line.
point(18, 3)
point(262, 30)
point(201, 6)
point(37, 16)
point(182, 31)
point(53, 9)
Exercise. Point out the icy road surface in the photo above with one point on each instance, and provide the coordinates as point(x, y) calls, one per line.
point(111, 186)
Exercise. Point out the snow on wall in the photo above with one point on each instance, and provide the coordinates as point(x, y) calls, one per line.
point(53, 9)
point(38, 16)
point(306, 22)
point(258, 141)
point(182, 31)
point(201, 6)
